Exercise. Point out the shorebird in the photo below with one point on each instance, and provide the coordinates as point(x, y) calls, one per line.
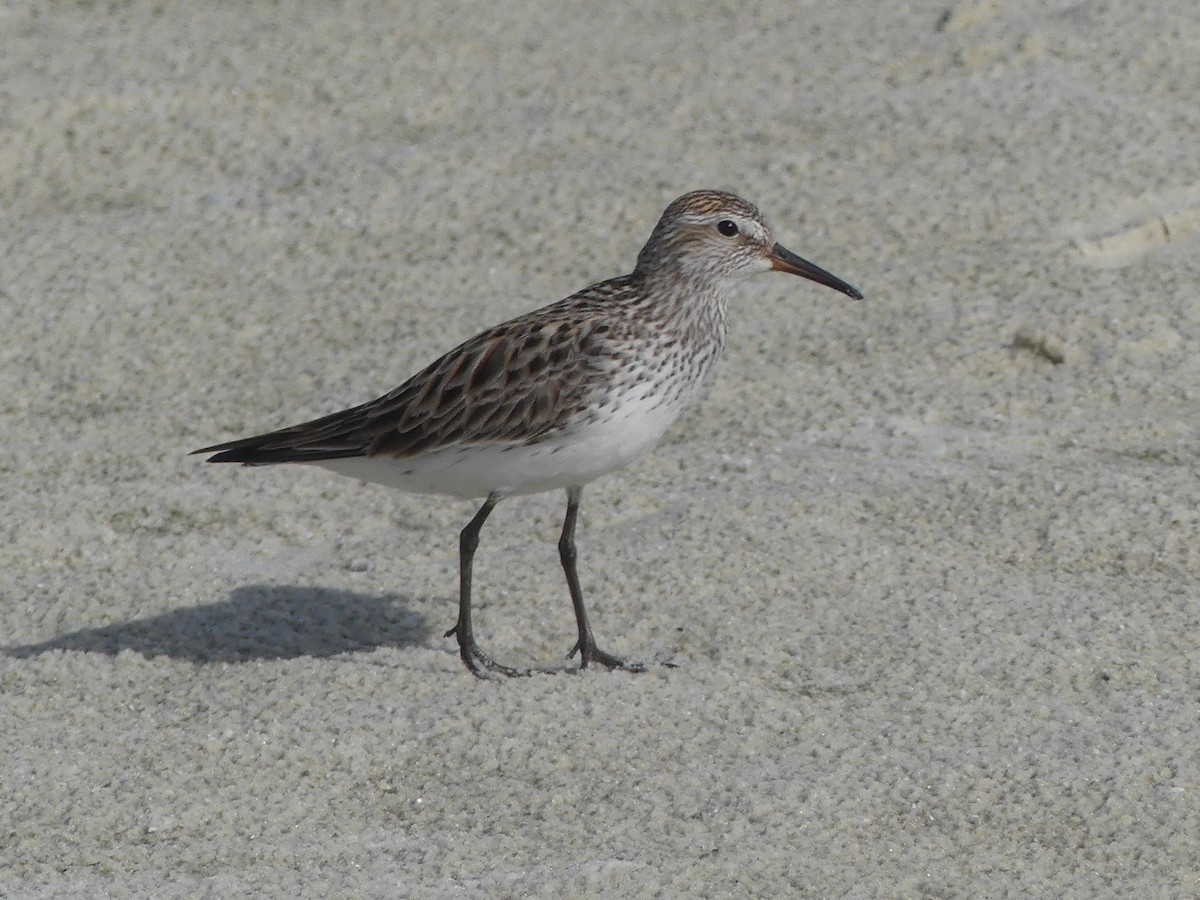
point(555, 398)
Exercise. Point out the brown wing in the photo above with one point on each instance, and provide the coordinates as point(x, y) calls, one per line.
point(518, 382)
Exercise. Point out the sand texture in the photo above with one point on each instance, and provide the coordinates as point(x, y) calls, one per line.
point(928, 564)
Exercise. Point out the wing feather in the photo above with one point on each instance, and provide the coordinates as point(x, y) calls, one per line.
point(518, 382)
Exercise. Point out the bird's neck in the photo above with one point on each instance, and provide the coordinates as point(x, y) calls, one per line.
point(688, 305)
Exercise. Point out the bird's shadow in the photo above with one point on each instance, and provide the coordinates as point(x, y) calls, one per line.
point(258, 621)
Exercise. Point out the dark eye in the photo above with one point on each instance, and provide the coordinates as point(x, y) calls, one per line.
point(727, 227)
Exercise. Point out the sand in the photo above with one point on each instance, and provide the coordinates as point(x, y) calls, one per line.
point(927, 564)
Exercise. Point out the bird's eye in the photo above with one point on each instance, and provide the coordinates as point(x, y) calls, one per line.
point(727, 227)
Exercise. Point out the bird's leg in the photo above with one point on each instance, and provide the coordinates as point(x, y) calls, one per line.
point(480, 664)
point(586, 645)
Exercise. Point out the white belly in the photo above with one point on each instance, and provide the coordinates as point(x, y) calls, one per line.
point(615, 436)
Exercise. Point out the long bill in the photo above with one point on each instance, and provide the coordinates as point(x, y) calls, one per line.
point(784, 260)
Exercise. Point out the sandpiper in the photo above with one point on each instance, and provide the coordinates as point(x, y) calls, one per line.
point(554, 398)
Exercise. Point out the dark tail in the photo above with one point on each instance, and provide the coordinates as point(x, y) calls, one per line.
point(277, 447)
point(335, 436)
point(248, 451)
point(252, 451)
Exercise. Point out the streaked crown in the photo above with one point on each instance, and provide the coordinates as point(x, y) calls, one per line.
point(710, 235)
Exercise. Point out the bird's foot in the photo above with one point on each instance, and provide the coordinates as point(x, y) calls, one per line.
point(589, 653)
point(480, 664)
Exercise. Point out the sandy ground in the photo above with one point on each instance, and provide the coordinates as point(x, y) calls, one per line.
point(928, 564)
